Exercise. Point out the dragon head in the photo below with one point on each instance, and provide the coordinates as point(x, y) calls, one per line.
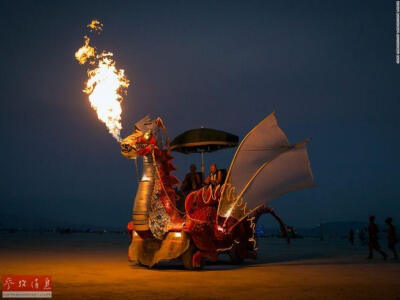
point(143, 138)
point(139, 143)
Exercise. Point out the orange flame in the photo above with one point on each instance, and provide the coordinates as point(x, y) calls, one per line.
point(105, 86)
point(85, 52)
point(95, 25)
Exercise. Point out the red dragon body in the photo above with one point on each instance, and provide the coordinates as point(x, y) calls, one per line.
point(214, 219)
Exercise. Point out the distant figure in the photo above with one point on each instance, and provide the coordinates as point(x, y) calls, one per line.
point(215, 176)
point(373, 243)
point(192, 180)
point(351, 237)
point(361, 236)
point(392, 238)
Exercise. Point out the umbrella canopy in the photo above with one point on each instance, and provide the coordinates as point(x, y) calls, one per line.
point(203, 140)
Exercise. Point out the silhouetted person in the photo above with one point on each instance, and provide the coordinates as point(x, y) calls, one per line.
point(351, 237)
point(392, 238)
point(373, 243)
point(215, 176)
point(192, 181)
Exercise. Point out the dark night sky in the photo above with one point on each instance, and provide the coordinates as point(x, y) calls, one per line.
point(327, 67)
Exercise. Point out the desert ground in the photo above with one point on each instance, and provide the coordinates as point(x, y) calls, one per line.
point(94, 266)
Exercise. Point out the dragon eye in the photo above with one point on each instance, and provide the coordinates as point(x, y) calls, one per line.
point(147, 135)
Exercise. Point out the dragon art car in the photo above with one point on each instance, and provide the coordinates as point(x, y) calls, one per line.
point(217, 219)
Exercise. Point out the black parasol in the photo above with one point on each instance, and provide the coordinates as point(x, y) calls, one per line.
point(202, 140)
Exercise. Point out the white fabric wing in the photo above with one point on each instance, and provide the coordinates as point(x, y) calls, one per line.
point(288, 172)
point(265, 166)
point(261, 144)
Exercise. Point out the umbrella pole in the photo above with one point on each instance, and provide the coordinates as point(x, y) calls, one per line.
point(202, 166)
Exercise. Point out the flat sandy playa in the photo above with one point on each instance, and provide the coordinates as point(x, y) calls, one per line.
point(89, 267)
